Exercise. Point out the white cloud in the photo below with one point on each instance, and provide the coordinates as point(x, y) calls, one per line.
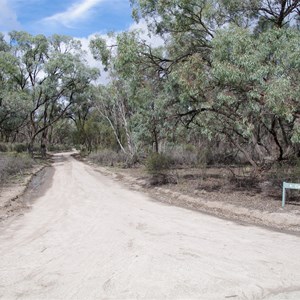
point(8, 17)
point(89, 56)
point(104, 78)
point(76, 12)
point(150, 38)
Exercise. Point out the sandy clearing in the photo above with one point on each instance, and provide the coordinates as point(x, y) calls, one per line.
point(87, 237)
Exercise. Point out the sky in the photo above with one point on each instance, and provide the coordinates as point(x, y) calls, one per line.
point(81, 19)
point(77, 18)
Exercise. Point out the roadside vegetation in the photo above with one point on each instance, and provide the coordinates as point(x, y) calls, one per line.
point(13, 165)
point(221, 92)
point(16, 161)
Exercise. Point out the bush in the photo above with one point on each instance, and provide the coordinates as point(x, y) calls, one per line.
point(188, 156)
point(13, 164)
point(20, 147)
point(280, 172)
point(3, 147)
point(109, 158)
point(181, 157)
point(158, 163)
point(59, 148)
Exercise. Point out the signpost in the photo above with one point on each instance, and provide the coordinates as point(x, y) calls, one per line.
point(286, 185)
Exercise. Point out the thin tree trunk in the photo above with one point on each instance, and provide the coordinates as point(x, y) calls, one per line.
point(155, 140)
point(113, 129)
point(130, 144)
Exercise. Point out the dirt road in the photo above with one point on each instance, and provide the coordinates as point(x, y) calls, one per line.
point(87, 237)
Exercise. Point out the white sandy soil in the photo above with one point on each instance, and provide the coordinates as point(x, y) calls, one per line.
point(88, 237)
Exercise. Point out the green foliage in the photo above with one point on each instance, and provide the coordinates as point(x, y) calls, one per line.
point(20, 147)
point(158, 163)
point(283, 172)
point(13, 147)
point(100, 51)
point(41, 78)
point(3, 147)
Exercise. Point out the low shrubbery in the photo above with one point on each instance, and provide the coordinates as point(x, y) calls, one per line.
point(283, 172)
point(159, 166)
point(109, 158)
point(187, 156)
point(158, 163)
point(23, 147)
point(184, 156)
point(59, 148)
point(4, 147)
point(20, 147)
point(11, 165)
point(13, 147)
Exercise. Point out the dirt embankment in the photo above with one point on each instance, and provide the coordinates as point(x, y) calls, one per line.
point(240, 206)
point(17, 193)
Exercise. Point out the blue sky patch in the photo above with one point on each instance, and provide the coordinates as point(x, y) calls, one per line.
point(78, 18)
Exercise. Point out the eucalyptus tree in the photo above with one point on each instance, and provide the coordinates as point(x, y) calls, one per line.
point(109, 106)
point(256, 85)
point(221, 56)
point(250, 94)
point(189, 27)
point(51, 73)
point(87, 124)
point(13, 106)
point(203, 17)
point(130, 101)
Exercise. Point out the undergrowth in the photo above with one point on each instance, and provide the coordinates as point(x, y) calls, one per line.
point(109, 158)
point(13, 164)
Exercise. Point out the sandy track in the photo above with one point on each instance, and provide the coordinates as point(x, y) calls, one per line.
point(88, 237)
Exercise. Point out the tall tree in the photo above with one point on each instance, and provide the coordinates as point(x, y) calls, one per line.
point(213, 80)
point(51, 73)
point(135, 90)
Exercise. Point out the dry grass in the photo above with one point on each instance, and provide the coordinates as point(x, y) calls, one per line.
point(13, 164)
point(218, 184)
point(109, 158)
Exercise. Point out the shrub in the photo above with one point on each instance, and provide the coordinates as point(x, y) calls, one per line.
point(109, 158)
point(181, 157)
point(13, 164)
point(3, 147)
point(20, 147)
point(188, 156)
point(284, 172)
point(59, 148)
point(202, 158)
point(158, 163)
